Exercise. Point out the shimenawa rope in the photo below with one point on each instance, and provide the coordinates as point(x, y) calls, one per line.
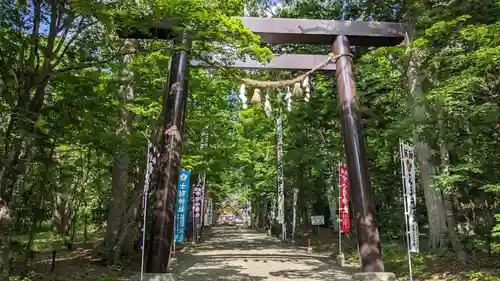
point(291, 82)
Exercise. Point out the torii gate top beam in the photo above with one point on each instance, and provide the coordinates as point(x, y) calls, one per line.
point(300, 31)
point(311, 31)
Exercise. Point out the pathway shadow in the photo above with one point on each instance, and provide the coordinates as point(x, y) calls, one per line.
point(185, 260)
point(232, 254)
point(195, 266)
point(318, 272)
point(217, 273)
point(231, 238)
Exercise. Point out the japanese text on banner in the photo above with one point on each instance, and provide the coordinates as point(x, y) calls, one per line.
point(181, 205)
point(198, 199)
point(410, 196)
point(279, 154)
point(344, 199)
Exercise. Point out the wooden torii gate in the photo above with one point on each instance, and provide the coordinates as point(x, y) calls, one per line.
point(340, 35)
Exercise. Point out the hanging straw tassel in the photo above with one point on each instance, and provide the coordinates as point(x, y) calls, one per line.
point(297, 91)
point(256, 96)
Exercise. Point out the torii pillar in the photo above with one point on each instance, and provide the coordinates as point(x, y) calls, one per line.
point(357, 165)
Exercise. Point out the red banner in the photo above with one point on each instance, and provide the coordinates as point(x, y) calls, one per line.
point(344, 199)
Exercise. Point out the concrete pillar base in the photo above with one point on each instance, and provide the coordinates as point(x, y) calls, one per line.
point(156, 277)
point(374, 276)
point(309, 250)
point(173, 262)
point(341, 260)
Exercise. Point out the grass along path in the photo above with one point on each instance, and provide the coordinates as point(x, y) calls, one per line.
point(426, 266)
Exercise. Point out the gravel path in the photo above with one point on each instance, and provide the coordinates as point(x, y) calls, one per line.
point(239, 254)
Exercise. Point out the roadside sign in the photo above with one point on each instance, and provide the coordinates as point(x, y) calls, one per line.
point(318, 220)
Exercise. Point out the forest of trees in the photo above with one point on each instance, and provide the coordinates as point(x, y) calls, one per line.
point(78, 105)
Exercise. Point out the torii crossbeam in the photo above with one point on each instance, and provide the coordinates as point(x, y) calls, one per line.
point(340, 35)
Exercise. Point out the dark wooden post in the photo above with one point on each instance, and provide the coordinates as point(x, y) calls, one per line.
point(174, 109)
point(357, 164)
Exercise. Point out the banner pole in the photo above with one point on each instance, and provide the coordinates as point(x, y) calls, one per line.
point(145, 204)
point(193, 223)
point(406, 207)
point(144, 213)
point(294, 212)
point(173, 252)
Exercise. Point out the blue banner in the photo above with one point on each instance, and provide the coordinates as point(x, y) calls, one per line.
point(181, 205)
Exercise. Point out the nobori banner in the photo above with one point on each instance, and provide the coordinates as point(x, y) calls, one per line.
point(344, 199)
point(407, 153)
point(181, 205)
point(197, 204)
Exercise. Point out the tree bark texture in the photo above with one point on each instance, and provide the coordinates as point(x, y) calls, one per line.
point(456, 242)
point(433, 198)
point(333, 197)
point(5, 223)
point(120, 174)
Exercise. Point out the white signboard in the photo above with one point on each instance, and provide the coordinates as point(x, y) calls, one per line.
point(409, 193)
point(317, 220)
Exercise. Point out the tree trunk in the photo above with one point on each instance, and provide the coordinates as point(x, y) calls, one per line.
point(85, 204)
point(117, 203)
point(129, 222)
point(62, 214)
point(73, 224)
point(7, 170)
point(85, 227)
point(5, 228)
point(120, 173)
point(256, 221)
point(456, 243)
point(269, 219)
point(33, 230)
point(131, 234)
point(5, 224)
point(333, 195)
point(12, 180)
point(433, 199)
